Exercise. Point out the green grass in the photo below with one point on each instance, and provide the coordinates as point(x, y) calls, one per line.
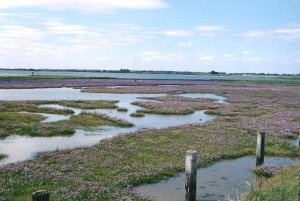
point(122, 109)
point(174, 105)
point(213, 112)
point(167, 111)
point(31, 106)
point(29, 124)
point(169, 107)
point(14, 121)
point(85, 119)
point(297, 119)
point(137, 114)
point(90, 104)
point(222, 113)
point(2, 156)
point(283, 186)
point(20, 117)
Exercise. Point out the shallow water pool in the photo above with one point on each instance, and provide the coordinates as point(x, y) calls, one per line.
point(228, 178)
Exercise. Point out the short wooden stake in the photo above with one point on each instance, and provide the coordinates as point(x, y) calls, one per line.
point(260, 148)
point(40, 196)
point(191, 175)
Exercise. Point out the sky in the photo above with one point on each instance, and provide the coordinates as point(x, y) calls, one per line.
point(233, 36)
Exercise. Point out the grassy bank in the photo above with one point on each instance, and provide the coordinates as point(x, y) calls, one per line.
point(284, 186)
point(86, 119)
point(137, 114)
point(175, 105)
point(99, 104)
point(13, 120)
point(122, 109)
point(29, 124)
point(108, 170)
point(31, 106)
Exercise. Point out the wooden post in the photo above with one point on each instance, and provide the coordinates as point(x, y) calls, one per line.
point(191, 175)
point(260, 148)
point(40, 196)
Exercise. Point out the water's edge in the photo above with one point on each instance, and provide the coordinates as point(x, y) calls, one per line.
point(223, 179)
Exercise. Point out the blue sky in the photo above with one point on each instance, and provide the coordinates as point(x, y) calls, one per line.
point(192, 35)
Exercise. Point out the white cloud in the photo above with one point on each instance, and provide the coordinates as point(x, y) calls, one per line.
point(153, 55)
point(16, 40)
point(291, 33)
point(205, 58)
point(56, 27)
point(85, 4)
point(228, 55)
point(210, 30)
point(60, 39)
point(102, 35)
point(177, 32)
point(185, 44)
point(254, 34)
point(246, 52)
point(242, 56)
point(251, 59)
point(20, 32)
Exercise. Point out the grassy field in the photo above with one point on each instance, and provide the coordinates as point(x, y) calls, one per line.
point(108, 170)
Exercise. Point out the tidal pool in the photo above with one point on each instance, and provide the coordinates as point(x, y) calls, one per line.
point(20, 148)
point(220, 181)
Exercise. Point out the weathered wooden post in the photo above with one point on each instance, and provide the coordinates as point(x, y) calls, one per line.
point(260, 148)
point(41, 195)
point(191, 175)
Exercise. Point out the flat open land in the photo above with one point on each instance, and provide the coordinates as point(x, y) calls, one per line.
point(109, 169)
point(84, 82)
point(60, 81)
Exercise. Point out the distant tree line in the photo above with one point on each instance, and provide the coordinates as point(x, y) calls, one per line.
point(126, 70)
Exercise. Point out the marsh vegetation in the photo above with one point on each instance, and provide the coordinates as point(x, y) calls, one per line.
point(108, 170)
point(26, 117)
